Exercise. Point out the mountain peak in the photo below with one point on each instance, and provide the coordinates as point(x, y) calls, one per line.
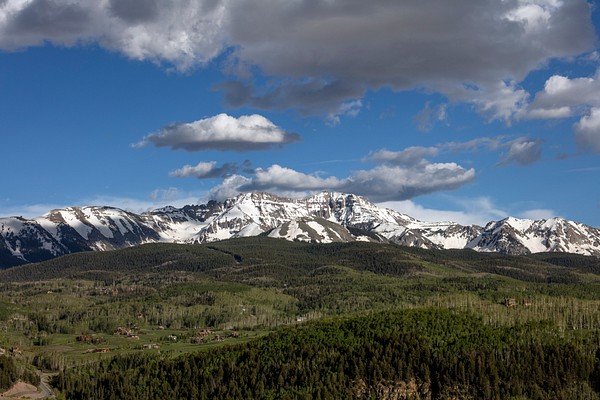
point(323, 217)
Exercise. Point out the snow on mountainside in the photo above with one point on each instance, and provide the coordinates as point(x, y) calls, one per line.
point(524, 236)
point(322, 218)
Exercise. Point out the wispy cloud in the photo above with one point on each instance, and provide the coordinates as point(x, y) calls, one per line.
point(409, 156)
point(522, 151)
point(207, 170)
point(429, 116)
point(476, 211)
point(157, 198)
point(467, 211)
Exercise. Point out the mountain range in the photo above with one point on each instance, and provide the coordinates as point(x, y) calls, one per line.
point(322, 218)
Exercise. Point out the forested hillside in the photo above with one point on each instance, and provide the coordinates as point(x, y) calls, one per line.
point(418, 354)
point(370, 320)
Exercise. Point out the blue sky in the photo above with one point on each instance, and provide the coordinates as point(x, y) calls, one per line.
point(471, 110)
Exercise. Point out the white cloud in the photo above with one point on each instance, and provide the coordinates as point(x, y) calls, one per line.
point(184, 34)
point(381, 183)
point(28, 210)
point(563, 97)
point(477, 211)
point(385, 183)
point(587, 131)
point(222, 132)
point(473, 211)
point(285, 179)
point(200, 170)
point(549, 113)
point(205, 170)
point(230, 187)
point(497, 100)
point(156, 199)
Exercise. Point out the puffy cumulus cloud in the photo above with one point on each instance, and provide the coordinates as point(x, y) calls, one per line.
point(382, 183)
point(222, 132)
point(230, 187)
point(564, 97)
point(183, 33)
point(522, 151)
point(205, 170)
point(397, 176)
point(587, 131)
point(386, 183)
point(279, 179)
point(319, 55)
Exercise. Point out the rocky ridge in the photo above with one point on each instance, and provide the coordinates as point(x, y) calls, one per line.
point(322, 218)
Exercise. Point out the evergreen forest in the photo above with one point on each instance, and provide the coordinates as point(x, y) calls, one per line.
point(261, 318)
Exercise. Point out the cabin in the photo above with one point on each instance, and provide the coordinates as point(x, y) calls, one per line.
point(203, 333)
point(123, 331)
point(510, 302)
point(99, 350)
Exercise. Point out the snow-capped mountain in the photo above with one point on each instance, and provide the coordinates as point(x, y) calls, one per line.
point(524, 236)
point(323, 218)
